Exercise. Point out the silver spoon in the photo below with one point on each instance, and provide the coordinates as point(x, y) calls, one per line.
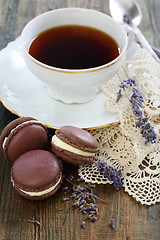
point(129, 12)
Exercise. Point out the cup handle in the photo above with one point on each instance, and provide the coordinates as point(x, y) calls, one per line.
point(130, 35)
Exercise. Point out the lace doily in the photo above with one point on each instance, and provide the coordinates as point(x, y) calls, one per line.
point(122, 145)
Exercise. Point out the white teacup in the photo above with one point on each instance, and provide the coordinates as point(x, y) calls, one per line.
point(74, 86)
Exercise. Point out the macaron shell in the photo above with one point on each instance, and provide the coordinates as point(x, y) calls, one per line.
point(45, 196)
point(11, 126)
point(36, 171)
point(71, 157)
point(78, 138)
point(25, 138)
point(24, 135)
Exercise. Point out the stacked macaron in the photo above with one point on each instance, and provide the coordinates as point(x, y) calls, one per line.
point(37, 170)
point(36, 173)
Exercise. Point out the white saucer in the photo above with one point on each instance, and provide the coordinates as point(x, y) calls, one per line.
point(24, 95)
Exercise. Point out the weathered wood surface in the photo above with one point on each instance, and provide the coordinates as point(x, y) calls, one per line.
point(58, 220)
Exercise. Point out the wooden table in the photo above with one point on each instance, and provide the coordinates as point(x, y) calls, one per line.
point(58, 220)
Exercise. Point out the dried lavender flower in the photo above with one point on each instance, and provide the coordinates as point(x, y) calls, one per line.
point(35, 222)
point(126, 83)
point(66, 199)
point(80, 179)
point(119, 95)
point(130, 81)
point(83, 224)
point(127, 19)
point(92, 186)
point(148, 133)
point(113, 223)
point(64, 188)
point(137, 111)
point(141, 121)
point(93, 218)
point(123, 86)
point(137, 102)
point(136, 99)
point(70, 177)
point(83, 198)
point(111, 173)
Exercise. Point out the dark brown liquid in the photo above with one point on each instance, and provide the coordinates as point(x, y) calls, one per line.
point(74, 47)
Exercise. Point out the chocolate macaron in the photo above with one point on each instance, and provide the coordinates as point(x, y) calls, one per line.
point(22, 135)
point(74, 145)
point(36, 174)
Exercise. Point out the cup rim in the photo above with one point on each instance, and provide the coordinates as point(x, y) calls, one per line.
point(85, 70)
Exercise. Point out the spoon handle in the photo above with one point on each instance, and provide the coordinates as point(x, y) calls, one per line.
point(144, 44)
point(156, 50)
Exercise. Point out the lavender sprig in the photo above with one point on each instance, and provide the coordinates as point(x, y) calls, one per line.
point(131, 81)
point(111, 173)
point(136, 99)
point(82, 197)
point(127, 19)
point(119, 95)
point(137, 102)
point(148, 133)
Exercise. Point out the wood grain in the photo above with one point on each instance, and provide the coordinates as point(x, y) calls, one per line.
point(58, 219)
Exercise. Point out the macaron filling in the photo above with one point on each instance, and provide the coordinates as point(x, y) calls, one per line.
point(59, 143)
point(43, 192)
point(24, 123)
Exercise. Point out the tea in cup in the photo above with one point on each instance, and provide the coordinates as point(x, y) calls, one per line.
point(74, 51)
